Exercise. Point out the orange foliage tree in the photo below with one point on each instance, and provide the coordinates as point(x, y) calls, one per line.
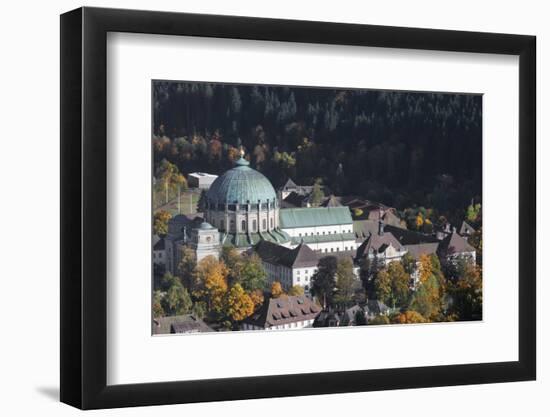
point(211, 282)
point(276, 289)
point(409, 316)
point(239, 303)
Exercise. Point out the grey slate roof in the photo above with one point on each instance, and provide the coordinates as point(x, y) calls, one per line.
point(349, 314)
point(454, 243)
point(299, 257)
point(376, 307)
point(293, 200)
point(416, 251)
point(466, 229)
point(159, 245)
point(331, 201)
point(284, 310)
point(408, 237)
point(186, 323)
point(378, 243)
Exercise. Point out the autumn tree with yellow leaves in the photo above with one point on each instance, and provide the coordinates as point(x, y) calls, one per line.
point(429, 297)
point(296, 290)
point(257, 297)
point(276, 289)
point(211, 283)
point(239, 303)
point(392, 285)
point(160, 222)
point(409, 316)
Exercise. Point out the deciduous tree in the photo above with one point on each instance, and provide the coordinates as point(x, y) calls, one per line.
point(346, 282)
point(317, 193)
point(323, 281)
point(296, 290)
point(257, 298)
point(252, 274)
point(211, 283)
point(409, 316)
point(239, 303)
point(392, 285)
point(160, 222)
point(276, 289)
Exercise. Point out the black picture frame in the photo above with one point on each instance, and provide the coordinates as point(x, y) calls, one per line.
point(84, 207)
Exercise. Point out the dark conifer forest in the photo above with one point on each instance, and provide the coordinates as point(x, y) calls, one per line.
point(404, 149)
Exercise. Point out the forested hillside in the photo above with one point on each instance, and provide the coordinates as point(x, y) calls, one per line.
point(404, 149)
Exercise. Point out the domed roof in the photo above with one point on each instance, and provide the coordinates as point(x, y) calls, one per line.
point(241, 185)
point(205, 226)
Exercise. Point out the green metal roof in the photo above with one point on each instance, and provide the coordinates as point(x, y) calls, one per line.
point(241, 185)
point(243, 240)
point(314, 216)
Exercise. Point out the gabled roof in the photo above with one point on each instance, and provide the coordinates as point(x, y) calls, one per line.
point(186, 323)
point(299, 257)
point(284, 310)
point(362, 228)
point(159, 245)
point(289, 184)
point(181, 222)
point(293, 200)
point(314, 216)
point(454, 243)
point(379, 243)
point(408, 237)
point(331, 201)
point(466, 229)
point(349, 314)
point(416, 251)
point(376, 307)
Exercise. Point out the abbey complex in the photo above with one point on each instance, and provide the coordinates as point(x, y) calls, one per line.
point(290, 207)
point(289, 237)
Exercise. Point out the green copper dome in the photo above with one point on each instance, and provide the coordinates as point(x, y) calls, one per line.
point(241, 185)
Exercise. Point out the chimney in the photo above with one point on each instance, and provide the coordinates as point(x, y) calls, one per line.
point(380, 223)
point(380, 227)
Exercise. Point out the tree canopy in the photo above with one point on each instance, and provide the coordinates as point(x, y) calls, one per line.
point(399, 147)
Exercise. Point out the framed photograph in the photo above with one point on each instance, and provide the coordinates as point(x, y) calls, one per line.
point(257, 208)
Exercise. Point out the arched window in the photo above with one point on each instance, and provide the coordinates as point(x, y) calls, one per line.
point(264, 224)
point(243, 225)
point(232, 225)
point(254, 225)
point(271, 222)
point(221, 224)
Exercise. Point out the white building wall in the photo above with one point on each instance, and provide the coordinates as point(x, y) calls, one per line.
point(159, 257)
point(289, 326)
point(319, 230)
point(302, 277)
point(333, 246)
